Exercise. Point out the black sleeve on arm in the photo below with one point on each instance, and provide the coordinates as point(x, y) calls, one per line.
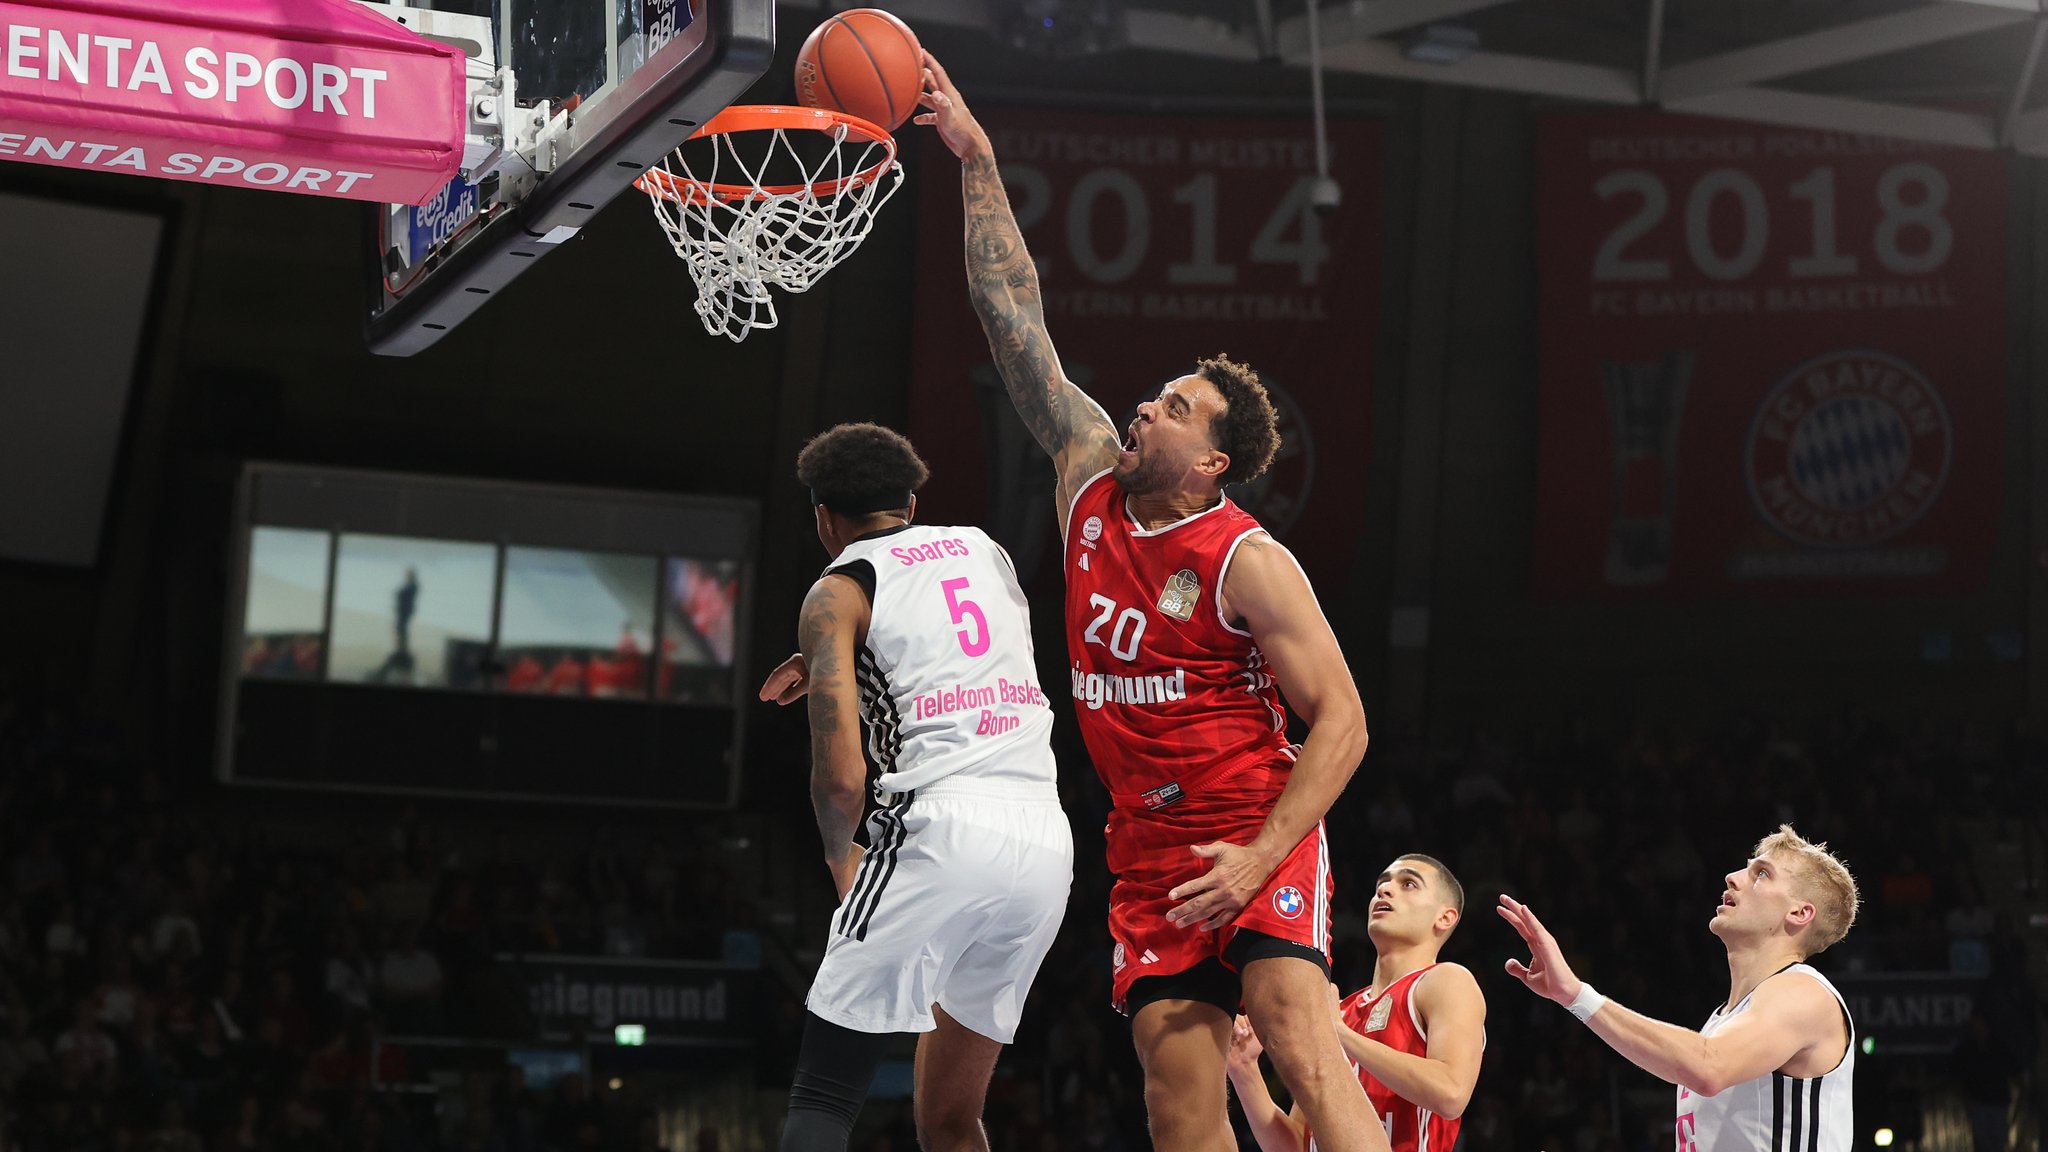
point(862, 572)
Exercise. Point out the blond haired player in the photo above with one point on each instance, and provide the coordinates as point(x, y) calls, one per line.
point(1415, 1035)
point(1773, 1069)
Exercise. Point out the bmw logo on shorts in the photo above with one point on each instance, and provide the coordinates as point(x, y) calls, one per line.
point(1288, 902)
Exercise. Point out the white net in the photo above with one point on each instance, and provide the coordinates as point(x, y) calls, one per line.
point(742, 237)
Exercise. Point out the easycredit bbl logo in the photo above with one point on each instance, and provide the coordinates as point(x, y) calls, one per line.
point(1849, 448)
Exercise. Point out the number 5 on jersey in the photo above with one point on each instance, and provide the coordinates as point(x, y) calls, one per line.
point(966, 610)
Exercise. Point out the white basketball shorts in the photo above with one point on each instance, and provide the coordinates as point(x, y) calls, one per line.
point(956, 904)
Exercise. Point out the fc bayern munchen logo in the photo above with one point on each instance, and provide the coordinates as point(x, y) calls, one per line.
point(1850, 448)
point(1288, 902)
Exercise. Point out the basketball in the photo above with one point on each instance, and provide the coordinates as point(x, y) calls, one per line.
point(863, 62)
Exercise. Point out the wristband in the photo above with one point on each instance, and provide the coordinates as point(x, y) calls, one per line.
point(1588, 1001)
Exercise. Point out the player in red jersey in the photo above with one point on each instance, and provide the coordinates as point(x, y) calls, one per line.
point(1184, 623)
point(1415, 1035)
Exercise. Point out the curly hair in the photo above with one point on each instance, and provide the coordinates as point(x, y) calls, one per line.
point(1249, 430)
point(859, 468)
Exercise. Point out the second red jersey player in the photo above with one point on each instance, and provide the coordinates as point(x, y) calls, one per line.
point(1185, 726)
point(1415, 1035)
point(1388, 1015)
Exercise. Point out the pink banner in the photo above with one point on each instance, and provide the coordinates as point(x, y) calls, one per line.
point(313, 96)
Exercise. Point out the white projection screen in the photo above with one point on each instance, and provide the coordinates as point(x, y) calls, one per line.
point(76, 283)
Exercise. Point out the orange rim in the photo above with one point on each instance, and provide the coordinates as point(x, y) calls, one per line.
point(767, 118)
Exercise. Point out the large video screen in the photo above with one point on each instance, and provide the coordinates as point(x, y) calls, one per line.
point(418, 634)
point(701, 602)
point(577, 623)
point(410, 612)
point(284, 617)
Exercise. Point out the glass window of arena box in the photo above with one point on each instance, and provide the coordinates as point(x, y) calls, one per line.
point(442, 636)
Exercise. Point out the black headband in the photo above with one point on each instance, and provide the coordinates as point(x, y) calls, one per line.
point(857, 505)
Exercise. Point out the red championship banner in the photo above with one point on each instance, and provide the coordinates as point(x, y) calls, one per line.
point(1773, 359)
point(1159, 241)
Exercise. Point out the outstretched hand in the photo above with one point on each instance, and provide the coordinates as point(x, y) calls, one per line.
point(788, 683)
point(1546, 974)
point(949, 114)
point(1244, 1047)
point(1214, 899)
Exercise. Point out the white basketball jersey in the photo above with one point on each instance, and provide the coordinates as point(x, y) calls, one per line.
point(1774, 1112)
point(947, 679)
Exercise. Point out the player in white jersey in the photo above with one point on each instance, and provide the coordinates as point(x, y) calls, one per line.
point(1773, 1069)
point(921, 636)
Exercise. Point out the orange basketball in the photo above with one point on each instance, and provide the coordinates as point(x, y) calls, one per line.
point(863, 62)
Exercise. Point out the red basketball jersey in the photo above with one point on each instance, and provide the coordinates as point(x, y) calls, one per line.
point(1389, 1018)
point(1169, 694)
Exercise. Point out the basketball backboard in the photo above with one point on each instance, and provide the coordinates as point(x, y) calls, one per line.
point(569, 102)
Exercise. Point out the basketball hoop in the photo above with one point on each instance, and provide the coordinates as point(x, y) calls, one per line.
point(742, 236)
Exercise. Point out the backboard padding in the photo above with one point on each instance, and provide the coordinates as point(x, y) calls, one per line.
point(620, 130)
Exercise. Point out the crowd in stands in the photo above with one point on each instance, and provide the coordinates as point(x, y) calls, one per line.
point(174, 978)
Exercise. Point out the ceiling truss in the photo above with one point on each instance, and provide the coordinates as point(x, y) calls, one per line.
point(1362, 37)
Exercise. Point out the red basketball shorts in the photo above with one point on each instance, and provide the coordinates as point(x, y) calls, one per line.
point(1151, 853)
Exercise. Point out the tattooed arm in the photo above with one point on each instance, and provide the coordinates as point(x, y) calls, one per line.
point(834, 620)
point(1003, 283)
